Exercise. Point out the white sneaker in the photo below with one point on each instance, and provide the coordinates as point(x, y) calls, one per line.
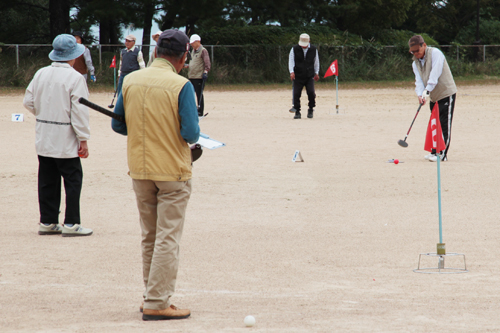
point(428, 157)
point(51, 229)
point(433, 158)
point(75, 231)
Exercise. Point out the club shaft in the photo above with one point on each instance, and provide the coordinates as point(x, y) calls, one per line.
point(101, 109)
point(413, 121)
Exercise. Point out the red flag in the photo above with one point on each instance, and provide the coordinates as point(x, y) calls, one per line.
point(434, 138)
point(333, 69)
point(113, 63)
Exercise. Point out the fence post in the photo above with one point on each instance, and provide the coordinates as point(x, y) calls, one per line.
point(484, 53)
point(17, 55)
point(212, 47)
point(458, 52)
point(279, 53)
point(100, 56)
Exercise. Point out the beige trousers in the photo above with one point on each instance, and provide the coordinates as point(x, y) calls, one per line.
point(162, 208)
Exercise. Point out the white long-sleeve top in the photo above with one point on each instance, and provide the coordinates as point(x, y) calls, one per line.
point(291, 60)
point(61, 121)
point(436, 71)
point(88, 61)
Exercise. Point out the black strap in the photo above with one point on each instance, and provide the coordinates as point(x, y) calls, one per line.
point(52, 122)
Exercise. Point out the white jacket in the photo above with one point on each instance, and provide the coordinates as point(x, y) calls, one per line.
point(61, 121)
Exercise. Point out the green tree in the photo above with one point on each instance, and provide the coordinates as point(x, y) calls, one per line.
point(367, 17)
point(444, 19)
point(34, 21)
point(59, 17)
point(109, 15)
point(190, 13)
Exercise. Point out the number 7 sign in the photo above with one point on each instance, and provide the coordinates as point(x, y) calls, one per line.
point(17, 117)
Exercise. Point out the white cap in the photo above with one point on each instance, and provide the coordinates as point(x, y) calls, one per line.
point(131, 37)
point(158, 33)
point(304, 40)
point(194, 38)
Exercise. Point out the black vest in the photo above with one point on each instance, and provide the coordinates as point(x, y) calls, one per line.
point(304, 68)
point(129, 61)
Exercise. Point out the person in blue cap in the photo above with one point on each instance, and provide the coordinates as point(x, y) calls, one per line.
point(62, 131)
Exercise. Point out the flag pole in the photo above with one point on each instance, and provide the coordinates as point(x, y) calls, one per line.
point(115, 77)
point(337, 90)
point(439, 199)
point(441, 247)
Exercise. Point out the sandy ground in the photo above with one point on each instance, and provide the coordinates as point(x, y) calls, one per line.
point(325, 245)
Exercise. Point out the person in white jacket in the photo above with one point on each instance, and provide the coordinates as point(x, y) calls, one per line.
point(62, 131)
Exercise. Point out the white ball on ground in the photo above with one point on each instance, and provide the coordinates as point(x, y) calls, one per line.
point(249, 321)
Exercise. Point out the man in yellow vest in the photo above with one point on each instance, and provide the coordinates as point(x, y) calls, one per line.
point(159, 108)
point(434, 83)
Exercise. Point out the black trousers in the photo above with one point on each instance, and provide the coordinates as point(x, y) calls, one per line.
point(198, 88)
point(50, 171)
point(298, 85)
point(446, 108)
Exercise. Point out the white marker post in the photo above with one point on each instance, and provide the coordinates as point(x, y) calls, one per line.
point(297, 157)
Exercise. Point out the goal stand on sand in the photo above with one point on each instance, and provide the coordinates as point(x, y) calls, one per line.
point(447, 263)
point(450, 263)
point(435, 143)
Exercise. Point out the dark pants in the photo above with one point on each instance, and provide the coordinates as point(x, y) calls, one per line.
point(120, 83)
point(198, 88)
point(298, 84)
point(50, 171)
point(446, 108)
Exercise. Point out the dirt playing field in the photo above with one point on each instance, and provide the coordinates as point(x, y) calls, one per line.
point(327, 245)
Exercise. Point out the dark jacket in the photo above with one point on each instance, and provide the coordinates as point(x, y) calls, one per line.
point(304, 67)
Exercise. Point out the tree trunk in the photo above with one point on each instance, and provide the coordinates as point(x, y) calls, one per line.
point(149, 10)
point(59, 18)
point(108, 33)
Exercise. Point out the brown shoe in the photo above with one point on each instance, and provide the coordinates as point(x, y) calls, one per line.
point(141, 308)
point(166, 314)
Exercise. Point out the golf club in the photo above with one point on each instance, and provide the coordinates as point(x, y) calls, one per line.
point(196, 149)
point(403, 143)
point(112, 105)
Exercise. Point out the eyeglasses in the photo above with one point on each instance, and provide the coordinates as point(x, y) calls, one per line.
point(126, 40)
point(416, 51)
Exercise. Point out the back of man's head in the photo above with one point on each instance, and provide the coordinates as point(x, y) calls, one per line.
point(172, 44)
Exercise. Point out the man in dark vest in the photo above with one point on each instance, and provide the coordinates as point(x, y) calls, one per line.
point(303, 64)
point(131, 59)
point(434, 83)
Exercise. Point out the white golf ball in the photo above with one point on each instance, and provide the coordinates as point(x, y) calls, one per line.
point(249, 321)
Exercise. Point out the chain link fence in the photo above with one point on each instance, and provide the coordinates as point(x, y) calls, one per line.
point(266, 63)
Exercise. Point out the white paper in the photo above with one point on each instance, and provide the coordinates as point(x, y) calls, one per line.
point(208, 143)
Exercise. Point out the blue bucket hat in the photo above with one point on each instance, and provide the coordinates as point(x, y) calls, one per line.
point(65, 48)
